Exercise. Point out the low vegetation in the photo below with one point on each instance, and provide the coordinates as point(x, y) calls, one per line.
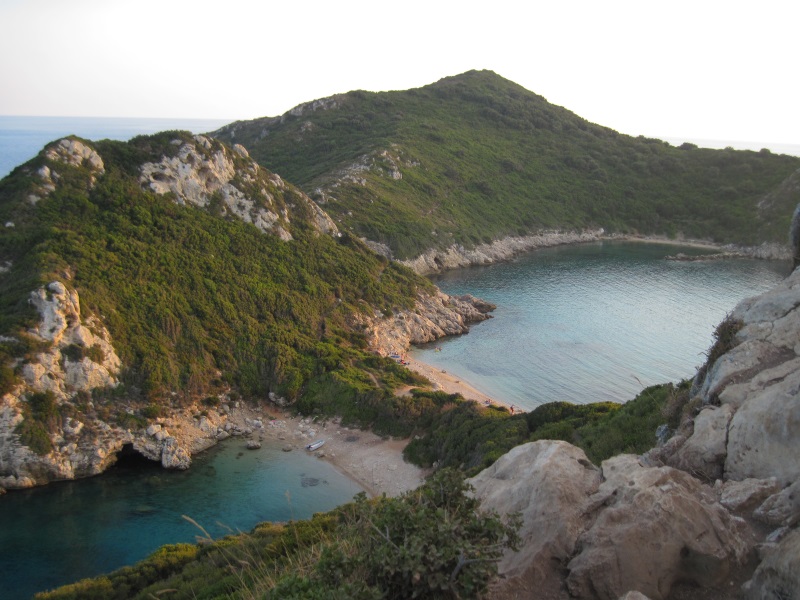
point(471, 437)
point(475, 157)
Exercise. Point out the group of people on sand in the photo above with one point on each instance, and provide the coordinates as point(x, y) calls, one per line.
point(401, 358)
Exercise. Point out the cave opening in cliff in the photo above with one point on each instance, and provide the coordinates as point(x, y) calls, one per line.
point(130, 459)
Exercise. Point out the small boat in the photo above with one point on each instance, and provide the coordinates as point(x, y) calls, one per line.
point(315, 445)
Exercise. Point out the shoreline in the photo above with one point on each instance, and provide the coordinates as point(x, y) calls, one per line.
point(448, 383)
point(374, 463)
point(435, 262)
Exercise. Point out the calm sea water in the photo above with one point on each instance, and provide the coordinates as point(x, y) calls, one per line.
point(21, 138)
point(71, 530)
point(593, 322)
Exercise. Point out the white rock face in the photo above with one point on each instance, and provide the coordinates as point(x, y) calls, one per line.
point(77, 154)
point(204, 172)
point(433, 317)
point(61, 324)
point(456, 256)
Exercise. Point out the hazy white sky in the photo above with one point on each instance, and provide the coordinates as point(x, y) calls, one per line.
point(702, 69)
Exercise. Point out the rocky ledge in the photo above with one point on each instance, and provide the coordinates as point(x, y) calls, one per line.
point(457, 256)
point(434, 316)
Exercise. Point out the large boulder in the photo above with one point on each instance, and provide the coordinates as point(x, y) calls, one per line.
point(550, 483)
point(778, 575)
point(653, 528)
point(597, 534)
point(705, 451)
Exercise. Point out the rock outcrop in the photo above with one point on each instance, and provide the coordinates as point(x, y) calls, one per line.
point(653, 528)
point(79, 356)
point(551, 485)
point(457, 256)
point(747, 428)
point(206, 173)
point(66, 151)
point(433, 316)
point(590, 533)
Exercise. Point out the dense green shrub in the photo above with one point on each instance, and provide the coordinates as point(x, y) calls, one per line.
point(466, 435)
point(482, 158)
point(187, 295)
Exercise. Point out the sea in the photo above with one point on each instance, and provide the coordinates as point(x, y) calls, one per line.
point(582, 323)
point(21, 138)
point(593, 322)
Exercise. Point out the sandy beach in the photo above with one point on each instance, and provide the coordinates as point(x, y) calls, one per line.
point(444, 381)
point(374, 463)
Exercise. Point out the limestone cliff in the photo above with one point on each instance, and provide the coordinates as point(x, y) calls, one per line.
point(208, 174)
point(434, 316)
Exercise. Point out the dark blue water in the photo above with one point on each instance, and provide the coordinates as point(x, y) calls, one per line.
point(593, 322)
point(21, 138)
point(71, 530)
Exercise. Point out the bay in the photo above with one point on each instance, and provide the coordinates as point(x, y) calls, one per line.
point(594, 322)
point(583, 324)
point(21, 138)
point(71, 530)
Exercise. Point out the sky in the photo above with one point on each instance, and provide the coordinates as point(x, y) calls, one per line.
point(699, 69)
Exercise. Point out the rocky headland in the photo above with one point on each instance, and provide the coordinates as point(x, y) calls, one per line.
point(76, 361)
point(73, 353)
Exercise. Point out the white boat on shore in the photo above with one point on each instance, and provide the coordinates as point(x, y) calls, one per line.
point(315, 445)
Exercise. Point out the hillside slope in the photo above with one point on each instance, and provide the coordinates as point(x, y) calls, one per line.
point(475, 158)
point(169, 276)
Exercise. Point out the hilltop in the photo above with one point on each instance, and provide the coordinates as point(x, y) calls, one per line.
point(475, 158)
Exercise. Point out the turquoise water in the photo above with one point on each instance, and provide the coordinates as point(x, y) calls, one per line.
point(21, 138)
point(71, 530)
point(593, 322)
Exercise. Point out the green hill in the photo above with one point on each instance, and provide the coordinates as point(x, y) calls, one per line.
point(475, 157)
point(196, 299)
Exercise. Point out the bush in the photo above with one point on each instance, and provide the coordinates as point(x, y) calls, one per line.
point(152, 411)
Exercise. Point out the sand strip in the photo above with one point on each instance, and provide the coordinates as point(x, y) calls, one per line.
point(374, 463)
